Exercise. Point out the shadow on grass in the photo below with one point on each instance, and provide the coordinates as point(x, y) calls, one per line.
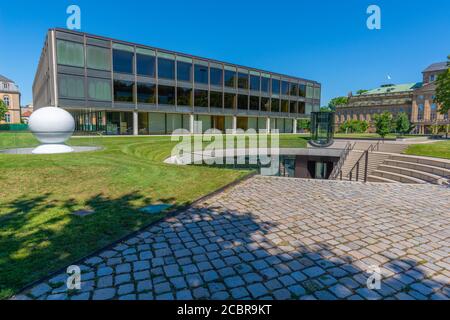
point(264, 259)
point(39, 235)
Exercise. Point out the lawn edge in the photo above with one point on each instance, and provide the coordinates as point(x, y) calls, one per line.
point(170, 214)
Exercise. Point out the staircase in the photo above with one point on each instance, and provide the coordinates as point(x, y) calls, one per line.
point(386, 164)
point(412, 169)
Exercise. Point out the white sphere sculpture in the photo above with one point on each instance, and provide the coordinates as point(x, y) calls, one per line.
point(52, 127)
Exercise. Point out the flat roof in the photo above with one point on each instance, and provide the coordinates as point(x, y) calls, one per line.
point(182, 54)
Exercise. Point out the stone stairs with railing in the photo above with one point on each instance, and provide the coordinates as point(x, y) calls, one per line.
point(412, 169)
point(387, 164)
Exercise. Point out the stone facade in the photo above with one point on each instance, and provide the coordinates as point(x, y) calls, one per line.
point(10, 94)
point(414, 99)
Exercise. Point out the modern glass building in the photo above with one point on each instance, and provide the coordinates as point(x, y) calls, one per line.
point(125, 88)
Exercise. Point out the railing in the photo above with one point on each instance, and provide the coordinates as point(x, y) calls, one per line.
point(337, 170)
point(364, 156)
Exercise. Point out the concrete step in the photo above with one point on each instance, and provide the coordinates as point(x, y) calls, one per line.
point(425, 176)
point(397, 177)
point(377, 179)
point(441, 163)
point(419, 167)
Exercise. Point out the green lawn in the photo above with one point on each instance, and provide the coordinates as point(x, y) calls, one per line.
point(437, 150)
point(363, 136)
point(38, 233)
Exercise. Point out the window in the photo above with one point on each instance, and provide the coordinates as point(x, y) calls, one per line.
point(265, 84)
point(275, 86)
point(317, 93)
point(255, 83)
point(166, 68)
point(5, 85)
point(201, 98)
point(432, 77)
point(201, 74)
point(265, 104)
point(70, 53)
point(302, 90)
point(243, 80)
point(254, 103)
point(184, 97)
point(275, 105)
point(123, 61)
point(166, 95)
point(293, 89)
point(184, 71)
point(284, 106)
point(215, 99)
point(99, 89)
point(216, 76)
point(123, 91)
point(98, 58)
point(145, 65)
point(285, 88)
point(6, 100)
point(242, 102)
point(230, 101)
point(146, 93)
point(293, 107)
point(230, 79)
point(71, 87)
point(309, 92)
point(7, 118)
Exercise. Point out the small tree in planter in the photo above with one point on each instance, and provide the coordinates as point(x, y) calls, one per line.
point(304, 125)
point(3, 110)
point(402, 123)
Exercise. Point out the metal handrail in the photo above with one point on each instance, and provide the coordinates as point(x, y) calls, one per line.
point(337, 170)
point(358, 163)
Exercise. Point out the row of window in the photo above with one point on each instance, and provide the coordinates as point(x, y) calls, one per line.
point(147, 93)
point(123, 59)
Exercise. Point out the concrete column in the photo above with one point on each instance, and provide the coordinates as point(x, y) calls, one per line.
point(191, 124)
point(268, 125)
point(135, 123)
point(234, 124)
point(294, 126)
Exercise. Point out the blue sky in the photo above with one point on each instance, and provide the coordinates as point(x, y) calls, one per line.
point(327, 41)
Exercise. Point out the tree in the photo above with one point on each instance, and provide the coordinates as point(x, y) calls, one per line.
point(3, 110)
point(383, 123)
point(443, 90)
point(354, 126)
point(361, 91)
point(325, 109)
point(402, 123)
point(304, 124)
point(339, 101)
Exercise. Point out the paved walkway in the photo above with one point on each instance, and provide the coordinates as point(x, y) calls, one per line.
point(278, 238)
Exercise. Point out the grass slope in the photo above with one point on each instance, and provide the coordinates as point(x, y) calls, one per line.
point(436, 150)
point(38, 233)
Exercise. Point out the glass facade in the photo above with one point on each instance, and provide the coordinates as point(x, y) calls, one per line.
point(201, 98)
point(230, 79)
point(146, 93)
point(98, 58)
point(123, 61)
point(242, 102)
point(184, 71)
point(145, 65)
point(243, 80)
point(201, 74)
point(123, 91)
point(166, 95)
point(216, 99)
point(70, 53)
point(166, 69)
point(184, 96)
point(155, 77)
point(229, 101)
point(216, 76)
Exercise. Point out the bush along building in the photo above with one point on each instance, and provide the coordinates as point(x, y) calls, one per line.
point(415, 99)
point(125, 88)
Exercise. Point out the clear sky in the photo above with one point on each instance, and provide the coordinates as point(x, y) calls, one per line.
point(322, 40)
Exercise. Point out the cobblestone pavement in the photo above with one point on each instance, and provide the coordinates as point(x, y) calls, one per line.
point(277, 238)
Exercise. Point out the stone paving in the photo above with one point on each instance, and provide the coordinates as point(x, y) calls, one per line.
point(279, 238)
